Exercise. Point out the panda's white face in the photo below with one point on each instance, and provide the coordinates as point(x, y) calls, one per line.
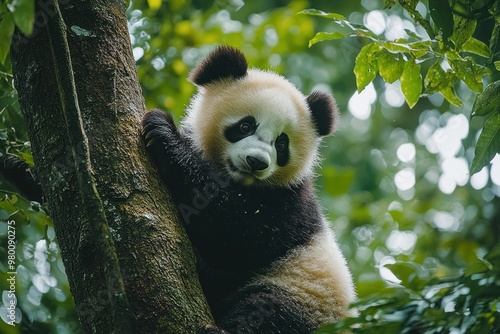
point(251, 158)
point(259, 128)
point(257, 148)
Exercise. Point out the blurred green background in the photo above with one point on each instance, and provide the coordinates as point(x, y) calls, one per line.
point(394, 182)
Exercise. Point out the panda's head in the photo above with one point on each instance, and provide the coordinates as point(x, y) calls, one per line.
point(256, 123)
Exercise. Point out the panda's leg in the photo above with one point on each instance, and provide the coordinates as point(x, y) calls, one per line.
point(262, 309)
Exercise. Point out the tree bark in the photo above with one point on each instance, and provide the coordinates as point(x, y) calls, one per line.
point(126, 233)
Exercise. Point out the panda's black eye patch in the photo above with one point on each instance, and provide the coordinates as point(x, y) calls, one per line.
point(281, 145)
point(243, 128)
point(282, 149)
point(246, 127)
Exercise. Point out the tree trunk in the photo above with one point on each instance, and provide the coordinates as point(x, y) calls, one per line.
point(96, 177)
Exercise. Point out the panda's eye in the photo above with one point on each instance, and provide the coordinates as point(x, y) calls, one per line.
point(243, 128)
point(281, 145)
point(246, 128)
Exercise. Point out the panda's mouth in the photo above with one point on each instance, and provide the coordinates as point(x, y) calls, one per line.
point(245, 176)
point(235, 169)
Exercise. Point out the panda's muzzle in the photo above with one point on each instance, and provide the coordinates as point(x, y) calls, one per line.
point(237, 169)
point(256, 164)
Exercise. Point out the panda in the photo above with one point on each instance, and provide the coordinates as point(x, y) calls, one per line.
point(240, 170)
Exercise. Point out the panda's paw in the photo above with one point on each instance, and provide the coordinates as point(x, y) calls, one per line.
point(212, 329)
point(157, 127)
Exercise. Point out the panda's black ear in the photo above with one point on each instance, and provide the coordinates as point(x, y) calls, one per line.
point(324, 112)
point(222, 63)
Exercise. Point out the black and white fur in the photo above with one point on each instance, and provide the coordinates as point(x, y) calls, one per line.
point(240, 171)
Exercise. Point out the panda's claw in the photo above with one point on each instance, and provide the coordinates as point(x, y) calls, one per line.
point(153, 142)
point(146, 131)
point(157, 126)
point(150, 132)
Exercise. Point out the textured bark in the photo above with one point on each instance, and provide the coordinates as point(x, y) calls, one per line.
point(155, 258)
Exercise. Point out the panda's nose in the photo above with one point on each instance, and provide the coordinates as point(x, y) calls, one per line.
point(255, 163)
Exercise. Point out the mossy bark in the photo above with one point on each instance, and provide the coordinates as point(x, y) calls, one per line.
point(155, 259)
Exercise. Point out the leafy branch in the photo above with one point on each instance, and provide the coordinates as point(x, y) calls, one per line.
point(452, 48)
point(421, 303)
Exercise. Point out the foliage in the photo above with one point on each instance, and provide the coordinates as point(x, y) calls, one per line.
point(13, 136)
point(14, 13)
point(43, 298)
point(446, 42)
point(425, 304)
point(394, 181)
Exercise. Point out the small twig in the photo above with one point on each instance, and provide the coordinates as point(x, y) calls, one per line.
point(6, 74)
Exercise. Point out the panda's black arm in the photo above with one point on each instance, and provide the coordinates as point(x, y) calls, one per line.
point(182, 170)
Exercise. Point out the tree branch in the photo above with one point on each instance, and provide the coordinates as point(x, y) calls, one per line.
point(123, 319)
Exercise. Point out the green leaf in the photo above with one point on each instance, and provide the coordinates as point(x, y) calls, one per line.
point(6, 31)
point(412, 34)
point(462, 31)
point(488, 144)
point(475, 268)
point(24, 15)
point(390, 65)
point(440, 11)
point(495, 35)
point(493, 256)
point(469, 72)
point(477, 47)
point(437, 80)
point(340, 29)
point(325, 36)
point(497, 65)
point(450, 96)
point(27, 157)
point(420, 46)
point(406, 272)
point(316, 12)
point(365, 68)
point(488, 100)
point(410, 6)
point(411, 82)
point(396, 46)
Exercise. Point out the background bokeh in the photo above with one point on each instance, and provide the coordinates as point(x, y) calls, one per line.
point(394, 181)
